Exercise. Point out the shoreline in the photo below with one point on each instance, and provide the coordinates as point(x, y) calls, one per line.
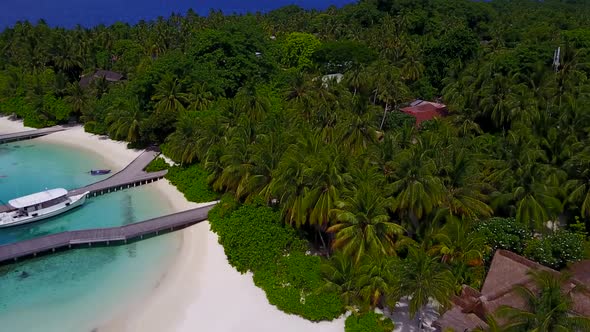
point(113, 153)
point(198, 289)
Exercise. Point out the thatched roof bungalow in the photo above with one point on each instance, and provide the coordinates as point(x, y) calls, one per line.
point(507, 270)
point(109, 76)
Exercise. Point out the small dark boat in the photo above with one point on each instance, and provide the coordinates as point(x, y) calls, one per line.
point(100, 171)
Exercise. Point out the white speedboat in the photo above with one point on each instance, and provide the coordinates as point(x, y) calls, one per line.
point(38, 206)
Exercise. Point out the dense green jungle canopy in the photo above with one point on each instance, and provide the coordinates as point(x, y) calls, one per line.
point(243, 97)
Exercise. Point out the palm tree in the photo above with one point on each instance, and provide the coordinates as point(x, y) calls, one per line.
point(124, 120)
point(289, 184)
point(357, 132)
point(422, 278)
point(573, 115)
point(236, 158)
point(528, 187)
point(325, 178)
point(65, 57)
point(502, 100)
point(417, 190)
point(464, 187)
point(253, 102)
point(326, 120)
point(548, 308)
point(412, 68)
point(455, 243)
point(168, 95)
point(183, 143)
point(362, 224)
point(214, 128)
point(340, 275)
point(200, 97)
point(355, 78)
point(299, 91)
point(537, 204)
point(534, 196)
point(76, 97)
point(375, 281)
point(266, 155)
point(389, 89)
point(579, 186)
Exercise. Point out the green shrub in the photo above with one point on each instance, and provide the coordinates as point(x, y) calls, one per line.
point(226, 206)
point(192, 182)
point(90, 126)
point(568, 247)
point(504, 233)
point(294, 285)
point(556, 250)
point(158, 164)
point(255, 239)
point(368, 322)
point(94, 127)
point(553, 250)
point(540, 251)
point(579, 227)
point(253, 236)
point(24, 110)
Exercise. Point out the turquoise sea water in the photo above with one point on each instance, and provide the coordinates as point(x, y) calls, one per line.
point(80, 289)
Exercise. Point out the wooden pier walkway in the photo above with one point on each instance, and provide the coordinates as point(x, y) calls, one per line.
point(102, 236)
point(29, 134)
point(131, 176)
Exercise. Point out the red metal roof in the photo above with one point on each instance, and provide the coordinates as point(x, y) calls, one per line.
point(425, 110)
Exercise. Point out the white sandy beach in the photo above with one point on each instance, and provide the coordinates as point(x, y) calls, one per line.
point(7, 126)
point(113, 153)
point(199, 291)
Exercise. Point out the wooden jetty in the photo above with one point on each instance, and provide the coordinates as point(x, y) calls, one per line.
point(131, 176)
point(102, 236)
point(29, 134)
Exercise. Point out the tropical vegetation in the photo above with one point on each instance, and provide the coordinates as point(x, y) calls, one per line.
point(350, 203)
point(368, 322)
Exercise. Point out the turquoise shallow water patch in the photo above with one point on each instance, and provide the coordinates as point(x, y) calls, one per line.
point(110, 210)
point(30, 166)
point(27, 167)
point(80, 289)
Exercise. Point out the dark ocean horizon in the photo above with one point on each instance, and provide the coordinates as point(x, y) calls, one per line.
point(88, 13)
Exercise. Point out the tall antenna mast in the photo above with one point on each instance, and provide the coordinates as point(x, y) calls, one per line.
point(556, 56)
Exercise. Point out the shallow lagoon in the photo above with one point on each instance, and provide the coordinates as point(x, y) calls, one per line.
point(76, 290)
